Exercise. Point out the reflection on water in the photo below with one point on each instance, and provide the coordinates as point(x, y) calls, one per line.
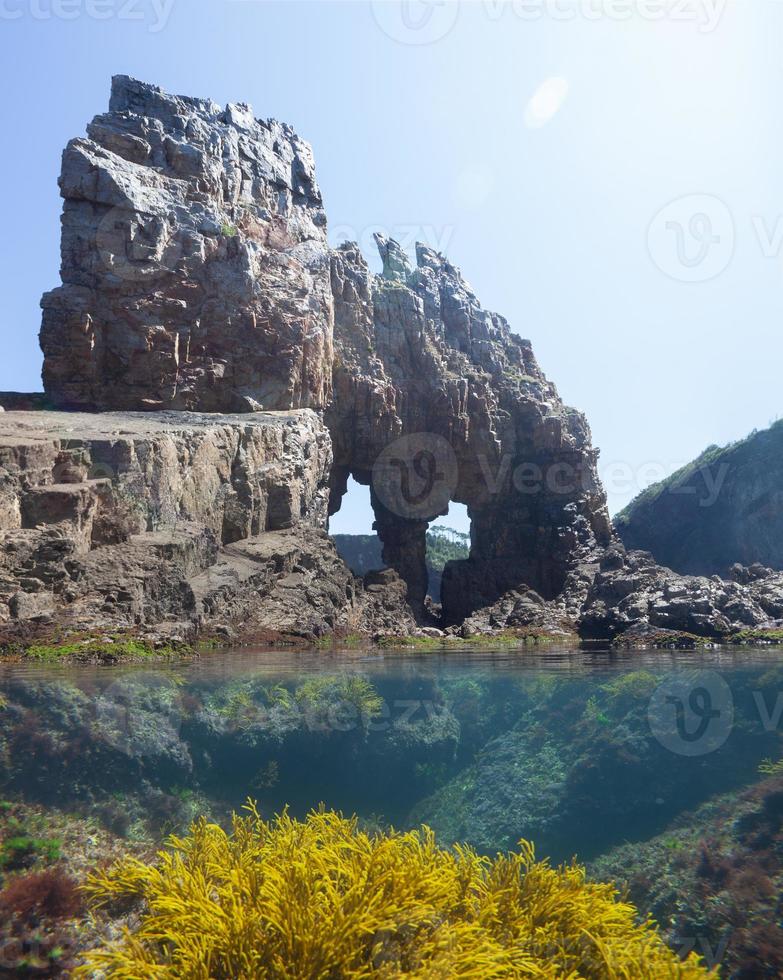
point(673, 752)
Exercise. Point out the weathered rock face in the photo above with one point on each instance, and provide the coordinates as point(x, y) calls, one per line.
point(180, 523)
point(196, 276)
point(194, 263)
point(723, 508)
point(615, 593)
point(436, 401)
point(632, 594)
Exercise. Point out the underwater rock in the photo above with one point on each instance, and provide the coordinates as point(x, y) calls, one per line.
point(712, 880)
point(577, 773)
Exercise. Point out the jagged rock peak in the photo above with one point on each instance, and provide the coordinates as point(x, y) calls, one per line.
point(395, 261)
point(417, 358)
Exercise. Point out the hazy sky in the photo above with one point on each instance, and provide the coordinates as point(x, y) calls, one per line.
point(540, 144)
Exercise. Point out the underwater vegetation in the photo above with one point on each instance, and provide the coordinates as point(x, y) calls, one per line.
point(771, 767)
point(320, 898)
point(713, 880)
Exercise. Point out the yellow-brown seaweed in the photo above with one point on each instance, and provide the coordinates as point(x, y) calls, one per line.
point(320, 898)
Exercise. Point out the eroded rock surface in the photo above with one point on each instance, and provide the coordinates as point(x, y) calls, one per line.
point(196, 276)
point(195, 271)
point(417, 357)
point(181, 523)
point(626, 594)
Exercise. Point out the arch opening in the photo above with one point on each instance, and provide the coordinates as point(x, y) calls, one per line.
point(352, 528)
point(448, 539)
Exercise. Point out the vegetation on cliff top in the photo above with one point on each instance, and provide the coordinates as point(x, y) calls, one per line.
point(320, 898)
point(711, 455)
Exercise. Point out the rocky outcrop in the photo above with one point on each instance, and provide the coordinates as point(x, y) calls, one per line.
point(184, 524)
point(435, 400)
point(724, 507)
point(196, 277)
point(632, 594)
point(195, 271)
point(625, 595)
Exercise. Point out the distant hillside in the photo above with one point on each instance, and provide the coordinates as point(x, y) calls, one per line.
point(724, 507)
point(362, 552)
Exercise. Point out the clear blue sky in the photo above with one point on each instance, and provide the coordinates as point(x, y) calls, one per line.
point(553, 220)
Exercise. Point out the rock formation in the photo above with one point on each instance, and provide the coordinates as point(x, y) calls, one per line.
point(196, 276)
point(420, 367)
point(725, 507)
point(184, 523)
point(195, 269)
point(197, 279)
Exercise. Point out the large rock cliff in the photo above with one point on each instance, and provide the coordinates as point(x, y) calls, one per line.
point(422, 368)
point(196, 278)
point(181, 523)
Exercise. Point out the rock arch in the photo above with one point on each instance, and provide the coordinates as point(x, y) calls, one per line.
point(416, 355)
point(197, 276)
